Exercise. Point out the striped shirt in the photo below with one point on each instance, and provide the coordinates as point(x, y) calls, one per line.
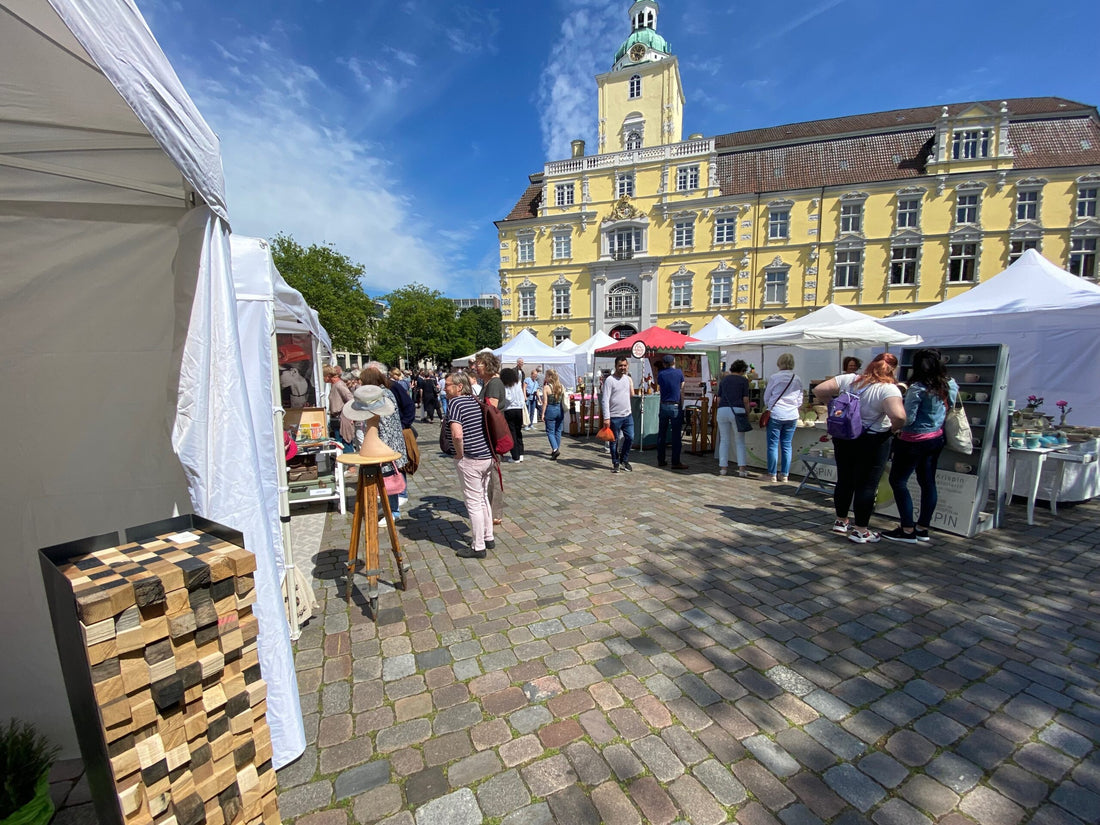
point(466, 410)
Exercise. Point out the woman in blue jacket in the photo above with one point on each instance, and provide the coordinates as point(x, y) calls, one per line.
point(919, 443)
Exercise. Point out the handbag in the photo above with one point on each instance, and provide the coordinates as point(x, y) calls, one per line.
point(446, 443)
point(393, 481)
point(766, 416)
point(526, 416)
point(606, 433)
point(744, 425)
point(412, 450)
point(956, 430)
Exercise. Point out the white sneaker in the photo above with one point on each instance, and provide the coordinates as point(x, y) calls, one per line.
point(869, 537)
point(840, 527)
point(382, 521)
point(520, 458)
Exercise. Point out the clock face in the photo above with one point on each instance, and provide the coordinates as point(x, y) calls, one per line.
point(637, 52)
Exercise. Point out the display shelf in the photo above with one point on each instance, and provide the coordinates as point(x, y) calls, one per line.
point(329, 484)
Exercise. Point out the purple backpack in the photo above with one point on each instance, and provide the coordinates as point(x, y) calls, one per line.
point(845, 421)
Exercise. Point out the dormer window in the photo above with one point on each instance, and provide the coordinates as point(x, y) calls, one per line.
point(635, 86)
point(968, 144)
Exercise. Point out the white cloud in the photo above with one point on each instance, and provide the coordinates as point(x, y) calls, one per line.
point(291, 166)
point(590, 31)
point(801, 20)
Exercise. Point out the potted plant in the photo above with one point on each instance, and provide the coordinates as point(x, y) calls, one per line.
point(25, 761)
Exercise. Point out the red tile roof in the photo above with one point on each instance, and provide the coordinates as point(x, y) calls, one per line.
point(528, 204)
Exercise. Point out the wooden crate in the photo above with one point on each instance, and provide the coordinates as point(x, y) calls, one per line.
point(157, 642)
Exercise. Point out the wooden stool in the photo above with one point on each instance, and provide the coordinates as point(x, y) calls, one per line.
point(369, 489)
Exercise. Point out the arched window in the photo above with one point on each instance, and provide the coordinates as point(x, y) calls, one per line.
point(633, 141)
point(636, 86)
point(622, 301)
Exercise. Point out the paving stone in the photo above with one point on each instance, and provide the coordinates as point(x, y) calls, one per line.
point(827, 705)
point(1020, 786)
point(696, 802)
point(798, 814)
point(884, 770)
point(459, 717)
point(939, 729)
point(614, 806)
point(910, 748)
point(807, 750)
point(720, 782)
point(403, 735)
point(548, 776)
point(684, 745)
point(765, 787)
point(655, 804)
point(520, 750)
point(985, 748)
point(398, 667)
point(659, 758)
point(458, 808)
point(362, 779)
point(573, 805)
point(305, 798)
point(771, 756)
point(378, 803)
point(837, 740)
point(986, 805)
point(859, 789)
point(502, 794)
point(899, 812)
point(899, 707)
point(622, 761)
point(1079, 801)
point(929, 795)
point(426, 785)
point(530, 719)
point(537, 814)
point(817, 796)
point(1065, 740)
point(955, 772)
point(590, 767)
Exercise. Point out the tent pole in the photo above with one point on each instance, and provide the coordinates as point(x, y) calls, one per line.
point(290, 578)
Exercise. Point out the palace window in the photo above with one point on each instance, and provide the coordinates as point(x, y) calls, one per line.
point(966, 208)
point(851, 217)
point(623, 244)
point(849, 266)
point(622, 301)
point(624, 184)
point(725, 230)
point(633, 141)
point(563, 194)
point(1086, 202)
point(970, 143)
point(561, 299)
point(561, 334)
point(526, 303)
point(721, 290)
point(1082, 257)
point(779, 223)
point(680, 327)
point(681, 292)
point(962, 263)
point(563, 245)
point(903, 265)
point(908, 213)
point(635, 86)
point(687, 178)
point(1019, 246)
point(1027, 205)
point(683, 234)
point(525, 249)
point(775, 286)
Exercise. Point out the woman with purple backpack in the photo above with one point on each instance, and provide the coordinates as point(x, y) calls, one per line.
point(861, 460)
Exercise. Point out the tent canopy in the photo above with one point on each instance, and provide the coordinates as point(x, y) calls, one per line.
point(830, 327)
point(532, 351)
point(655, 338)
point(1048, 318)
point(717, 327)
point(600, 339)
point(566, 346)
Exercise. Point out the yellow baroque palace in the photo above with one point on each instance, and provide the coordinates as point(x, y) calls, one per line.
point(885, 212)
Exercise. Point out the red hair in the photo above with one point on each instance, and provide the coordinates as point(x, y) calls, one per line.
point(880, 371)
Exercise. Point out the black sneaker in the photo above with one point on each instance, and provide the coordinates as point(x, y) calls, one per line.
point(470, 553)
point(898, 534)
point(662, 463)
point(922, 535)
point(614, 468)
point(627, 467)
point(490, 544)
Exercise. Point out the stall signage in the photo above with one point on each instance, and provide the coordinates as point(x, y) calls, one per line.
point(638, 349)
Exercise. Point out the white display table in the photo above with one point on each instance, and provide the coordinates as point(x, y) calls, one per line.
point(1071, 470)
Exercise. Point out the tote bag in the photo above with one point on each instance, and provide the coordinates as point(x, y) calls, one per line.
point(956, 430)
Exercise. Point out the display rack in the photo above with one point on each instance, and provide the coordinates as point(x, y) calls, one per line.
point(969, 486)
point(329, 483)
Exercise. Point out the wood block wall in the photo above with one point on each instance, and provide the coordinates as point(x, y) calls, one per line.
point(158, 644)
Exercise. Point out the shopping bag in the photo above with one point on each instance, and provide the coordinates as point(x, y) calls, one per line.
point(956, 430)
point(606, 433)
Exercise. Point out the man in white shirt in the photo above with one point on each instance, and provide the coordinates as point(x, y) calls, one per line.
point(617, 413)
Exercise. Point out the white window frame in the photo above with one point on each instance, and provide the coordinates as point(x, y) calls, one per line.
point(525, 249)
point(624, 185)
point(971, 144)
point(1086, 200)
point(617, 247)
point(562, 300)
point(776, 285)
point(1018, 246)
point(848, 267)
point(564, 194)
point(635, 86)
point(1082, 256)
point(681, 292)
point(964, 209)
point(721, 290)
point(563, 246)
point(962, 256)
point(623, 301)
point(908, 212)
point(683, 233)
point(851, 217)
point(633, 141)
point(779, 223)
point(725, 229)
point(687, 178)
point(1027, 204)
point(907, 261)
point(560, 335)
point(526, 301)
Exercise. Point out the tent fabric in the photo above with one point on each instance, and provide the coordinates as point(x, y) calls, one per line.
point(654, 338)
point(114, 278)
point(830, 327)
point(1048, 318)
point(531, 350)
point(566, 346)
point(717, 327)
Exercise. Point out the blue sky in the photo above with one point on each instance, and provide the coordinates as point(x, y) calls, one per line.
point(399, 130)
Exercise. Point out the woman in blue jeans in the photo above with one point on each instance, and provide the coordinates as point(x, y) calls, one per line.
point(919, 443)
point(783, 396)
point(553, 413)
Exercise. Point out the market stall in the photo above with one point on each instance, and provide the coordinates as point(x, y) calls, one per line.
point(118, 301)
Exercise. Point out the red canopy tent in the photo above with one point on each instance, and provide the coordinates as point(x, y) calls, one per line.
point(655, 339)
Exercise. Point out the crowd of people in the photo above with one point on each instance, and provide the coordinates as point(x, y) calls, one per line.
point(901, 421)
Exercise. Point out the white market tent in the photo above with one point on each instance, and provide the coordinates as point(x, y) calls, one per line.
point(584, 354)
point(566, 346)
point(535, 353)
point(267, 305)
point(717, 327)
point(1048, 318)
point(118, 315)
point(832, 327)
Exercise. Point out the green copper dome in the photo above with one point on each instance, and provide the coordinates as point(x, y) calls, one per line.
point(647, 37)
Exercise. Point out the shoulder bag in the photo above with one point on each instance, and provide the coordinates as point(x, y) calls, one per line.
point(766, 416)
point(956, 430)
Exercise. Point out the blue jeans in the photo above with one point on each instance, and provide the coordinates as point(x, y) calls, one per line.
point(532, 408)
point(554, 419)
point(671, 417)
point(780, 438)
point(623, 427)
point(921, 456)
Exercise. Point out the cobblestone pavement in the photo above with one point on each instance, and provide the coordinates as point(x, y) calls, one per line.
point(657, 647)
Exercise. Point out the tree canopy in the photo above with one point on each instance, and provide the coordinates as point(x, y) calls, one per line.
point(329, 281)
point(420, 326)
point(478, 327)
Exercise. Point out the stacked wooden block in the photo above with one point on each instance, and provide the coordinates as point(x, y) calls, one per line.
point(170, 638)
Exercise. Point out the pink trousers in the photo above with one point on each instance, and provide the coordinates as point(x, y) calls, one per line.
point(475, 476)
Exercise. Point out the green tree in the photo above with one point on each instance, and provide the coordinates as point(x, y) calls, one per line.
point(420, 325)
point(330, 283)
point(478, 327)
